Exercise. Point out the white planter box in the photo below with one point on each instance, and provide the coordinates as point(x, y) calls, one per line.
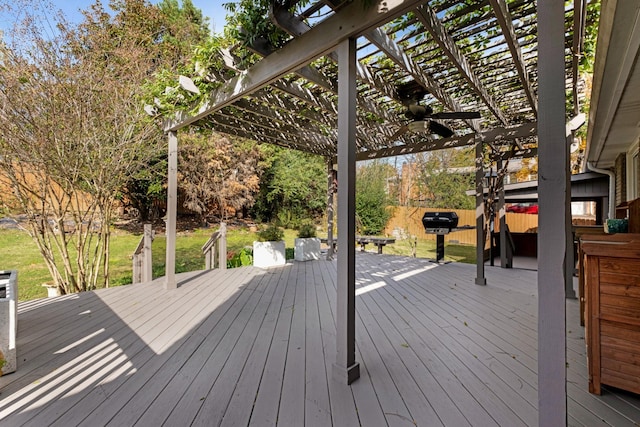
point(268, 254)
point(307, 249)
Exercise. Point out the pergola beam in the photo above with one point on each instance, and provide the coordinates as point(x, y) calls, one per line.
point(351, 21)
point(505, 20)
point(496, 135)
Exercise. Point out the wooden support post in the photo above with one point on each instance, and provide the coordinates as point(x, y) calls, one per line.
point(554, 198)
point(570, 261)
point(222, 247)
point(330, 212)
point(480, 239)
point(346, 369)
point(502, 220)
point(147, 273)
point(172, 212)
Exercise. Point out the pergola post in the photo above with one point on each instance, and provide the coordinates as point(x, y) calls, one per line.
point(346, 369)
point(172, 211)
point(330, 216)
point(554, 198)
point(570, 262)
point(504, 261)
point(480, 239)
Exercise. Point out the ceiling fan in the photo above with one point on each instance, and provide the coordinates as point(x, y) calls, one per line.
point(421, 117)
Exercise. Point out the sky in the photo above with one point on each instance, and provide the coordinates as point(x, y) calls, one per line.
point(210, 8)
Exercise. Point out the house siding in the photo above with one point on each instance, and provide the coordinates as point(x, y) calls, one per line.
point(621, 178)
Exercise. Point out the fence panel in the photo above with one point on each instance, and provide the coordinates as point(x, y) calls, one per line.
point(409, 219)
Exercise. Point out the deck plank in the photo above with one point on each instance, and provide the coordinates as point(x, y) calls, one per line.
point(370, 409)
point(256, 347)
point(247, 386)
point(217, 400)
point(156, 370)
point(292, 401)
point(317, 405)
point(79, 370)
point(343, 407)
point(495, 401)
point(202, 365)
point(439, 366)
point(165, 394)
point(267, 400)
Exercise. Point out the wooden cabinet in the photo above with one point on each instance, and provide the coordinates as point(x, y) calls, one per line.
point(612, 314)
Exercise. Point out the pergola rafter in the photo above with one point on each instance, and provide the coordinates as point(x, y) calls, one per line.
point(430, 21)
point(506, 24)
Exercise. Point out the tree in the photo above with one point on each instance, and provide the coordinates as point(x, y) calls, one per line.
point(74, 130)
point(175, 29)
point(293, 187)
point(372, 200)
point(444, 178)
point(216, 171)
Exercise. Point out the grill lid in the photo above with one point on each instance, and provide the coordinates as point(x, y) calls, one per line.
point(439, 220)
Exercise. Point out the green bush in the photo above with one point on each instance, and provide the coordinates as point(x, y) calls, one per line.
point(243, 258)
point(306, 230)
point(272, 233)
point(372, 200)
point(289, 253)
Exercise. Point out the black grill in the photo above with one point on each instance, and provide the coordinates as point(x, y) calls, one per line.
point(439, 222)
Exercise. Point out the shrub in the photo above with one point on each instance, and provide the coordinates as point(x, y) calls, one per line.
point(372, 199)
point(289, 253)
point(307, 230)
point(243, 258)
point(272, 233)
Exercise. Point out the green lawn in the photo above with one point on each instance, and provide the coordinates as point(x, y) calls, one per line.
point(427, 249)
point(20, 253)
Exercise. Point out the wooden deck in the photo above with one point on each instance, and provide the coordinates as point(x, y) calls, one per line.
point(255, 347)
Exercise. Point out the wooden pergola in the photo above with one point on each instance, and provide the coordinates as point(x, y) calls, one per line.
point(332, 90)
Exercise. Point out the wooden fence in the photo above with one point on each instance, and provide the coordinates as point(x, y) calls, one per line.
point(409, 220)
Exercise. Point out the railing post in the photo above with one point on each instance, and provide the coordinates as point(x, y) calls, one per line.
point(137, 273)
point(207, 260)
point(212, 256)
point(222, 248)
point(147, 263)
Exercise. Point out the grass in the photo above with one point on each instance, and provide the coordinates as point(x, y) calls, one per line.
point(21, 253)
point(427, 249)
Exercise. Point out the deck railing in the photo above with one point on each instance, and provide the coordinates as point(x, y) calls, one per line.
point(142, 259)
point(209, 249)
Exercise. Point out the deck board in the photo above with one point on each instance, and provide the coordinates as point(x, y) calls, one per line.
point(249, 346)
point(267, 399)
point(343, 407)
